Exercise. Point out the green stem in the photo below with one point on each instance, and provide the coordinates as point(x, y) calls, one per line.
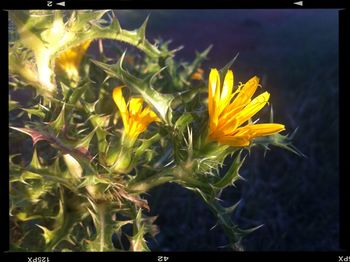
point(101, 215)
point(150, 182)
point(226, 223)
point(208, 195)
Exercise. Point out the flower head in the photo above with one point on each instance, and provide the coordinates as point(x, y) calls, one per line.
point(229, 110)
point(135, 119)
point(69, 61)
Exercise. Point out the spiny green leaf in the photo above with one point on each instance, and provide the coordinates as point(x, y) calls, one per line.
point(37, 111)
point(104, 224)
point(119, 224)
point(47, 234)
point(26, 175)
point(232, 208)
point(112, 155)
point(85, 142)
point(200, 57)
point(59, 122)
point(232, 174)
point(99, 122)
point(184, 97)
point(183, 121)
point(115, 26)
point(279, 140)
point(65, 220)
point(35, 163)
point(47, 174)
point(46, 133)
point(137, 241)
point(141, 32)
point(91, 180)
point(79, 91)
point(146, 143)
point(159, 102)
point(79, 18)
point(40, 32)
point(23, 216)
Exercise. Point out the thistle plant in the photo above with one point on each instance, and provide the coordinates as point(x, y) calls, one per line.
point(105, 130)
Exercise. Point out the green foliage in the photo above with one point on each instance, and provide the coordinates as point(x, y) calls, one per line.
point(82, 187)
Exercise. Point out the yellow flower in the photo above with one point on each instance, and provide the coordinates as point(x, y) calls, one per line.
point(135, 119)
point(229, 110)
point(69, 61)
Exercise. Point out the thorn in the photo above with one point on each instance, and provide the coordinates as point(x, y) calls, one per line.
point(250, 230)
point(93, 157)
point(242, 178)
point(206, 51)
point(121, 60)
point(151, 79)
point(172, 161)
point(45, 108)
point(232, 208)
point(224, 70)
point(254, 122)
point(271, 114)
point(213, 227)
point(219, 200)
point(177, 49)
point(293, 134)
point(141, 32)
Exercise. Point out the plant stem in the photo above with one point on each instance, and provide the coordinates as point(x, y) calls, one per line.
point(150, 182)
point(205, 192)
point(101, 216)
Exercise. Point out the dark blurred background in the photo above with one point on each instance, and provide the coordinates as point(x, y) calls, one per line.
point(295, 52)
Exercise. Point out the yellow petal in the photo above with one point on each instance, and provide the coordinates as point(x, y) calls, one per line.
point(139, 125)
point(246, 93)
point(265, 129)
point(143, 119)
point(252, 108)
point(229, 126)
point(151, 114)
point(226, 91)
point(71, 58)
point(241, 100)
point(211, 90)
point(235, 141)
point(214, 98)
point(134, 129)
point(120, 102)
point(135, 105)
point(69, 61)
point(80, 51)
point(145, 112)
point(226, 117)
point(154, 116)
point(245, 130)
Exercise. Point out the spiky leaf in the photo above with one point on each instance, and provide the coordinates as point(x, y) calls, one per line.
point(232, 173)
